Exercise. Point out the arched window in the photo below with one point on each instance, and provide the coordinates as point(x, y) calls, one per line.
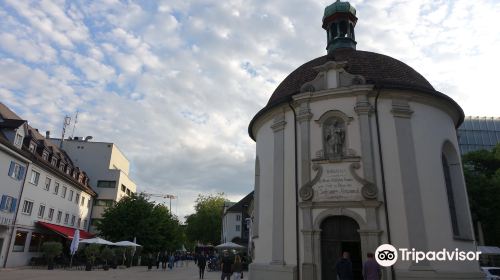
point(343, 29)
point(451, 198)
point(456, 192)
point(333, 30)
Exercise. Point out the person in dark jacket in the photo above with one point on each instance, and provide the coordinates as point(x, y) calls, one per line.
point(371, 269)
point(202, 262)
point(344, 267)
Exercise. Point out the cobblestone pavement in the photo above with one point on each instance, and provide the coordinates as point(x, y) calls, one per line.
point(141, 273)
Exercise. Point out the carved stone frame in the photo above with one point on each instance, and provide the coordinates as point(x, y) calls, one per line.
point(347, 120)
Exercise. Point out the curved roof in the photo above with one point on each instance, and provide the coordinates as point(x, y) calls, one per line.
point(377, 69)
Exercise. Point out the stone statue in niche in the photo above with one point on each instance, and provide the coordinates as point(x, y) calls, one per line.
point(334, 138)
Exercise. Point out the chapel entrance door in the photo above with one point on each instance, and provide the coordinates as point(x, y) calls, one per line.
point(339, 234)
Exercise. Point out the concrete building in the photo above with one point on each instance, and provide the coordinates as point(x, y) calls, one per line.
point(353, 150)
point(45, 196)
point(234, 225)
point(107, 168)
point(478, 133)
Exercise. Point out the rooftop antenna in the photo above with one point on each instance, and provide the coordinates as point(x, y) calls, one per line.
point(74, 125)
point(66, 123)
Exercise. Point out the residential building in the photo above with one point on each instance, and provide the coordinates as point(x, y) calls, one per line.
point(234, 221)
point(478, 133)
point(107, 168)
point(49, 196)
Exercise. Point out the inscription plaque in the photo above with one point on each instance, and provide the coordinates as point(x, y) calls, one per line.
point(337, 184)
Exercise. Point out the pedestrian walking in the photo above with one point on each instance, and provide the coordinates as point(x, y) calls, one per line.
point(371, 269)
point(164, 260)
point(226, 266)
point(202, 262)
point(344, 267)
point(158, 260)
point(237, 268)
point(171, 261)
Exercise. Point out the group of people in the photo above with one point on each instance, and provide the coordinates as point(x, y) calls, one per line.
point(229, 266)
point(164, 259)
point(371, 269)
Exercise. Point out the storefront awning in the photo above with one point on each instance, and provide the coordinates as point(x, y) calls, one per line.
point(67, 232)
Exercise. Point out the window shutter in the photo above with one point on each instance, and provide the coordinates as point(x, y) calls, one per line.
point(11, 168)
point(13, 205)
point(20, 176)
point(2, 202)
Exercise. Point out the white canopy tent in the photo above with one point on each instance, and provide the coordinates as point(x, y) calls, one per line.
point(97, 240)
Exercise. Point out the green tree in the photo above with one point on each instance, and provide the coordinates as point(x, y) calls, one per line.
point(205, 224)
point(482, 175)
point(135, 216)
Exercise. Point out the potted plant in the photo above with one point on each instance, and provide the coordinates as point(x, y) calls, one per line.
point(107, 255)
point(51, 250)
point(91, 253)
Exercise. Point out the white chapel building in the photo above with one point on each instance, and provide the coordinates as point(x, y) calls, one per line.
point(353, 150)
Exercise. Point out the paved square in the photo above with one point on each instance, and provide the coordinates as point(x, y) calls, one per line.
point(142, 273)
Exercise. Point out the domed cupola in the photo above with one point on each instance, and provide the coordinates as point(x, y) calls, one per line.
point(339, 21)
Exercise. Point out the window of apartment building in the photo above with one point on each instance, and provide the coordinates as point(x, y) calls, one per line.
point(83, 201)
point(89, 203)
point(73, 220)
point(59, 216)
point(104, 202)
point(41, 211)
point(61, 166)
point(32, 147)
point(27, 207)
point(238, 227)
point(18, 141)
point(8, 204)
point(68, 170)
point(35, 176)
point(77, 198)
point(53, 161)
point(16, 171)
point(66, 218)
point(70, 196)
point(20, 241)
point(51, 214)
point(238, 218)
point(63, 192)
point(36, 242)
point(56, 188)
point(48, 181)
point(45, 155)
point(106, 184)
point(124, 188)
point(128, 192)
point(79, 223)
point(85, 224)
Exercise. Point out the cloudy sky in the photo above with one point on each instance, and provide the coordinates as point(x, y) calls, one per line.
point(175, 83)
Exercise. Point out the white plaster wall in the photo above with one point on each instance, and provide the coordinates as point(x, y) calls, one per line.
point(11, 187)
point(432, 127)
point(395, 198)
point(229, 229)
point(265, 149)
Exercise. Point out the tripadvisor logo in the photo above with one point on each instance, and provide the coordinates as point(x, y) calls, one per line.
point(388, 255)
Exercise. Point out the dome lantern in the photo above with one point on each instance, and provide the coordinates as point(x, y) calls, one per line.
point(339, 21)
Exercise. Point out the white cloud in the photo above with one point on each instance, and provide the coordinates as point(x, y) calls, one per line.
point(175, 83)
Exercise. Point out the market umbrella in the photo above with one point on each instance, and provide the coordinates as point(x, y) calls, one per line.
point(97, 240)
point(127, 244)
point(74, 245)
point(229, 245)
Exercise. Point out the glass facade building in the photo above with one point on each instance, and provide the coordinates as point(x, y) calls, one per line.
point(478, 133)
